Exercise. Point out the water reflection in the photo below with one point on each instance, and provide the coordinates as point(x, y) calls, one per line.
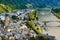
point(46, 15)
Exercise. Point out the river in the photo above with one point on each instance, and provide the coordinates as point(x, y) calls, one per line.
point(52, 26)
point(48, 16)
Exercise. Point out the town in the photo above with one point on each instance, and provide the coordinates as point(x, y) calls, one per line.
point(29, 19)
point(21, 25)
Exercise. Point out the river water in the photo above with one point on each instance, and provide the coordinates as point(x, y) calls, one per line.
point(48, 16)
point(52, 26)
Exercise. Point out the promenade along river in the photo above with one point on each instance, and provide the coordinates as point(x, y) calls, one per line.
point(53, 29)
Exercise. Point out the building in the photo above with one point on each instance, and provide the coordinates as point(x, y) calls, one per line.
point(2, 16)
point(7, 20)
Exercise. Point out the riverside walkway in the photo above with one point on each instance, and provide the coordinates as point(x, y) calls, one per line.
point(52, 22)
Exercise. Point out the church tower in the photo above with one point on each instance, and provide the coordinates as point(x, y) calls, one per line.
point(6, 23)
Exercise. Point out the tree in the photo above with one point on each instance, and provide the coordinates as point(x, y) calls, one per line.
point(39, 38)
point(31, 38)
point(33, 15)
point(29, 24)
point(1, 22)
point(28, 5)
point(9, 8)
point(5, 8)
point(4, 38)
point(14, 17)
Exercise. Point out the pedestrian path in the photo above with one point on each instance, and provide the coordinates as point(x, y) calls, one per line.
point(54, 31)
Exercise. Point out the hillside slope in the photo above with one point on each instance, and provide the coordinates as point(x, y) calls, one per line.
point(21, 4)
point(5, 8)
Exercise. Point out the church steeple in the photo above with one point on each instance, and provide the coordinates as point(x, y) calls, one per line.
point(7, 19)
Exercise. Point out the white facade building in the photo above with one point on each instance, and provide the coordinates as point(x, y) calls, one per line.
point(2, 16)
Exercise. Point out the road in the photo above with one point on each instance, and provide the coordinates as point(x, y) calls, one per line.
point(54, 31)
point(52, 26)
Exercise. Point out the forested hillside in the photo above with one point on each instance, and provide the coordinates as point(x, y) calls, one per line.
point(5, 8)
point(35, 3)
point(23, 4)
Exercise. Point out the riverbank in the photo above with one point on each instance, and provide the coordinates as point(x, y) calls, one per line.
point(54, 31)
point(56, 14)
